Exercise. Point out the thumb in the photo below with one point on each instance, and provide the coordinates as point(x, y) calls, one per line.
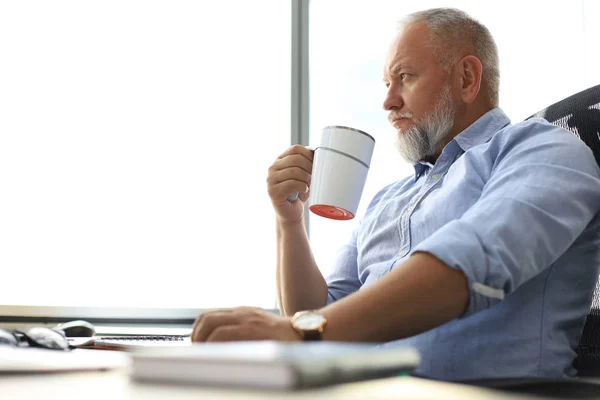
point(304, 196)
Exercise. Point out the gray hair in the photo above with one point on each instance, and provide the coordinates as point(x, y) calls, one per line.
point(452, 33)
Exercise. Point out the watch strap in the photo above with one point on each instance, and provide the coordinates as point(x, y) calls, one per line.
point(311, 336)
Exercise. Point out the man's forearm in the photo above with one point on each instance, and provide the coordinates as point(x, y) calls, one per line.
point(416, 296)
point(300, 284)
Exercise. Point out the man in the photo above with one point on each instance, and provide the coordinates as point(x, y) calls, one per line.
point(484, 260)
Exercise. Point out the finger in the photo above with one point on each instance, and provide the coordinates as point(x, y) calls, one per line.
point(291, 173)
point(284, 189)
point(292, 160)
point(232, 333)
point(248, 310)
point(305, 151)
point(211, 322)
point(205, 313)
point(304, 196)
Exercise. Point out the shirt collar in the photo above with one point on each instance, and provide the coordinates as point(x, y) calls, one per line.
point(421, 167)
point(477, 133)
point(483, 129)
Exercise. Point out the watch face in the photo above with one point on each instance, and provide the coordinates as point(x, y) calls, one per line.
point(309, 321)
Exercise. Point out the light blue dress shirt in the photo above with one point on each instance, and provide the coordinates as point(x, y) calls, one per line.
point(517, 209)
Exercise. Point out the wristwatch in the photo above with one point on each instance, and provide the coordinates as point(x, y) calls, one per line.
point(309, 324)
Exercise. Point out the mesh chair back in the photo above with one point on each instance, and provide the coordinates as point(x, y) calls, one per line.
point(580, 114)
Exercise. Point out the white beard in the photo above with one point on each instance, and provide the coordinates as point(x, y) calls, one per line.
point(422, 139)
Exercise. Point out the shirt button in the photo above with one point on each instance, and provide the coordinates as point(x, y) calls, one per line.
point(435, 177)
point(403, 253)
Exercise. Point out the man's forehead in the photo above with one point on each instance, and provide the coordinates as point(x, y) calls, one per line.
point(408, 47)
point(398, 57)
point(394, 65)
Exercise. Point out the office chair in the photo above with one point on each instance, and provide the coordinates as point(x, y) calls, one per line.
point(580, 113)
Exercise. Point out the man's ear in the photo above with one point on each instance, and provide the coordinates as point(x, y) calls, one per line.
point(469, 70)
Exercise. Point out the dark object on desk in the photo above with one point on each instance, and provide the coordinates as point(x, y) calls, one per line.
point(567, 388)
point(77, 328)
point(580, 113)
point(270, 364)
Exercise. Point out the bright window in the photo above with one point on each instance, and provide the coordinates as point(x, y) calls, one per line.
point(548, 51)
point(135, 138)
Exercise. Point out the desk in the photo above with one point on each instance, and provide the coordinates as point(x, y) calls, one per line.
point(115, 385)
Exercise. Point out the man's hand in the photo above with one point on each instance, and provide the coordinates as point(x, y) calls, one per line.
point(290, 173)
point(242, 323)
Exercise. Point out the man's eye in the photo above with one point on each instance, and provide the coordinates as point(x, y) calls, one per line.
point(387, 85)
point(403, 76)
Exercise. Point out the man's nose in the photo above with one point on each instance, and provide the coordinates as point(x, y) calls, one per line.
point(393, 100)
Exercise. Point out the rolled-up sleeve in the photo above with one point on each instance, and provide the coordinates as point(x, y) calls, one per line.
point(343, 280)
point(542, 193)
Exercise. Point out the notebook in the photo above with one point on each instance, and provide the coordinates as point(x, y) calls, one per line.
point(30, 359)
point(271, 365)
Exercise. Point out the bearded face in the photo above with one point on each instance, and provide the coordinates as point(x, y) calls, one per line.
point(424, 138)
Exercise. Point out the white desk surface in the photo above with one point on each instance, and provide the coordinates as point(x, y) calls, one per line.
point(115, 385)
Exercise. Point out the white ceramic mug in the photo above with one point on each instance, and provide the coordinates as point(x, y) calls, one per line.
point(339, 173)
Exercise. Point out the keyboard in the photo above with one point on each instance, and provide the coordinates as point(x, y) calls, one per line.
point(130, 342)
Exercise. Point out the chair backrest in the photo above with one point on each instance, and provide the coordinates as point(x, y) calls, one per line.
point(580, 114)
